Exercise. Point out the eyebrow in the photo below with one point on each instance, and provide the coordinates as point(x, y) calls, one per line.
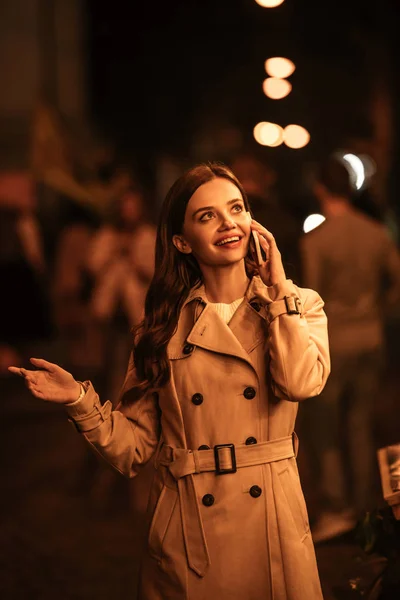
point(211, 207)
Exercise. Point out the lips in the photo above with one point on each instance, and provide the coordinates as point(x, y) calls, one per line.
point(228, 239)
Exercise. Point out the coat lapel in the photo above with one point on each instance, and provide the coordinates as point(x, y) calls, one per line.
point(211, 333)
point(201, 326)
point(249, 326)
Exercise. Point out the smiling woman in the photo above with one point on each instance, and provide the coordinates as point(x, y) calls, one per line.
point(220, 337)
point(208, 229)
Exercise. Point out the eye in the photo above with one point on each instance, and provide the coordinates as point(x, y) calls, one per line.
point(205, 215)
point(239, 206)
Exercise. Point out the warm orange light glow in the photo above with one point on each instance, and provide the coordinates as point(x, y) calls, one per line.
point(268, 134)
point(295, 136)
point(269, 3)
point(276, 88)
point(279, 67)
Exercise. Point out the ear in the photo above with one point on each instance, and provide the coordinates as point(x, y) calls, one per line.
point(181, 244)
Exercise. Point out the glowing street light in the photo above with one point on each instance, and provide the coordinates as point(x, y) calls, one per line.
point(276, 88)
point(312, 222)
point(268, 134)
point(295, 136)
point(269, 3)
point(279, 67)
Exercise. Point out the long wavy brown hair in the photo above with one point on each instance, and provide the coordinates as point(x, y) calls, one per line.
point(174, 276)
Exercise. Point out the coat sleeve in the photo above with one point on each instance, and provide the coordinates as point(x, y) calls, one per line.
point(126, 437)
point(298, 345)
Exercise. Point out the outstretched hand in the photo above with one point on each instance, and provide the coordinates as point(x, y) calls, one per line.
point(49, 381)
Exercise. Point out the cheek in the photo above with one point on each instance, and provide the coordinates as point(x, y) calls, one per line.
point(199, 237)
point(201, 246)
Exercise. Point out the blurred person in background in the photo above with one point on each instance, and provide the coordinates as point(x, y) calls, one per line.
point(260, 180)
point(352, 262)
point(71, 287)
point(120, 262)
point(25, 309)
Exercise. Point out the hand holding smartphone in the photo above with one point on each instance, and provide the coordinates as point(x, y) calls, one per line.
point(256, 247)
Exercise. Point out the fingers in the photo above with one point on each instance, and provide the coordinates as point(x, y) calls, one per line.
point(22, 372)
point(263, 231)
point(265, 246)
point(16, 371)
point(29, 376)
point(44, 364)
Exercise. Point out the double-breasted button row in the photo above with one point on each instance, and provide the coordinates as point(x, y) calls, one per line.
point(208, 500)
point(255, 492)
point(249, 393)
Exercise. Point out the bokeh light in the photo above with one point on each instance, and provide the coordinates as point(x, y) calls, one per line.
point(269, 3)
point(361, 167)
point(356, 165)
point(268, 134)
point(295, 136)
point(279, 67)
point(276, 88)
point(312, 222)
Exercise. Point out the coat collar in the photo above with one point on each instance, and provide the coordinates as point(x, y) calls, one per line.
point(245, 331)
point(255, 290)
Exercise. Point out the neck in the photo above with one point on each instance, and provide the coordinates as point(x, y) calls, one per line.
point(335, 206)
point(225, 284)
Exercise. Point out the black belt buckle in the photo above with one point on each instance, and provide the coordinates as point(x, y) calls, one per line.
point(224, 471)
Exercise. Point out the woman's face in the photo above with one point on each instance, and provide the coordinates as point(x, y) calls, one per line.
point(214, 213)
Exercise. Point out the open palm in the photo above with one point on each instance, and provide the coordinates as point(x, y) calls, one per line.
point(49, 381)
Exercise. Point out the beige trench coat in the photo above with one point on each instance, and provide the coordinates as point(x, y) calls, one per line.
point(241, 535)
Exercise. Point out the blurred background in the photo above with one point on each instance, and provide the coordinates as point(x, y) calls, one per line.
point(102, 106)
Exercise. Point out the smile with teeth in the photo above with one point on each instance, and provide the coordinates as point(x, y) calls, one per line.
point(235, 238)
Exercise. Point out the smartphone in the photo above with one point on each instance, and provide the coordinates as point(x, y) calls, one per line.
point(256, 248)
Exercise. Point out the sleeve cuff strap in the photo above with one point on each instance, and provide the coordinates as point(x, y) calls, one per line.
point(289, 305)
point(86, 404)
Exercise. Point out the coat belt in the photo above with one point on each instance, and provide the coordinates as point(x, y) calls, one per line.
point(183, 464)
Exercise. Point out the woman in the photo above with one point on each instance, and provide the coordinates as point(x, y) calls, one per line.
point(219, 364)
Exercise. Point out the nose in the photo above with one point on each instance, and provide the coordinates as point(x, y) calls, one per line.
point(228, 222)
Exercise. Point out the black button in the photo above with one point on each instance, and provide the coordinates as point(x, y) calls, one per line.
point(251, 440)
point(197, 399)
point(255, 491)
point(204, 447)
point(208, 500)
point(249, 393)
point(188, 348)
point(256, 306)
